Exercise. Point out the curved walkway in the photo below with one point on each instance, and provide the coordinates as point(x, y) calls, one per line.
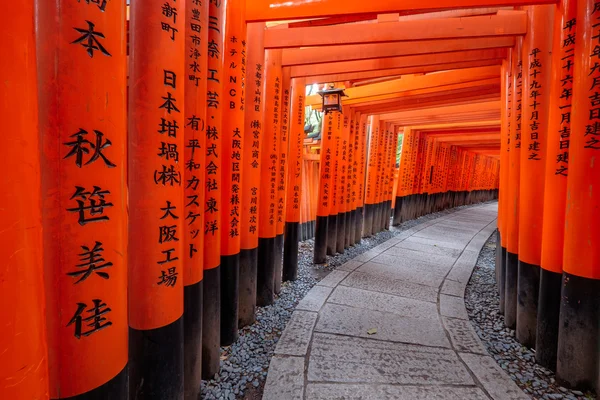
point(392, 323)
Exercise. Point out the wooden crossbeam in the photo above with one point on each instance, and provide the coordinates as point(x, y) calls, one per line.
point(447, 110)
point(350, 76)
point(273, 10)
point(505, 24)
point(407, 83)
point(314, 55)
point(397, 62)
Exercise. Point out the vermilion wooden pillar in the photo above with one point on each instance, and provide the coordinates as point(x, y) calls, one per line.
point(82, 87)
point(251, 163)
point(512, 226)
point(194, 152)
point(213, 189)
point(282, 176)
point(372, 147)
point(267, 230)
point(342, 176)
point(504, 166)
point(233, 132)
point(351, 182)
point(537, 51)
point(332, 220)
point(23, 333)
point(557, 162)
point(156, 183)
point(294, 180)
point(361, 163)
point(578, 345)
point(324, 192)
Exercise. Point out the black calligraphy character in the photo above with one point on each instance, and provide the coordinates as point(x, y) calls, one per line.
point(192, 217)
point(193, 144)
point(210, 227)
point(194, 123)
point(169, 12)
point(211, 168)
point(193, 201)
point(195, 27)
point(211, 185)
point(168, 279)
point(167, 234)
point(169, 103)
point(212, 100)
point(212, 150)
point(211, 205)
point(195, 53)
point(168, 151)
point(93, 262)
point(196, 14)
point(213, 49)
point(193, 183)
point(213, 23)
point(168, 258)
point(97, 204)
point(195, 67)
point(168, 127)
point(89, 40)
point(193, 249)
point(191, 165)
point(97, 320)
point(169, 78)
point(81, 146)
point(168, 28)
point(169, 211)
point(168, 176)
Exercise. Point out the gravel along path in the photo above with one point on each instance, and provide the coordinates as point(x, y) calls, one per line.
point(482, 303)
point(244, 364)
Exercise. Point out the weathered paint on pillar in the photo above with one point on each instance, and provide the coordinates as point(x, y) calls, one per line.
point(196, 40)
point(267, 229)
point(232, 136)
point(294, 180)
point(24, 366)
point(537, 60)
point(213, 190)
point(512, 226)
point(371, 185)
point(251, 188)
point(82, 72)
point(578, 345)
point(557, 162)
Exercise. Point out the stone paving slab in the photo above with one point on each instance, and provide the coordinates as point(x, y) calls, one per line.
point(430, 249)
point(347, 359)
point(295, 341)
point(315, 298)
point(392, 323)
point(285, 379)
point(396, 287)
point(493, 379)
point(421, 276)
point(376, 301)
point(352, 321)
point(329, 391)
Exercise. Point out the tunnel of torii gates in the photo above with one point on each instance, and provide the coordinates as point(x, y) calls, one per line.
point(158, 177)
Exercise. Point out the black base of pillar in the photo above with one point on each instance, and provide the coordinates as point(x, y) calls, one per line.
point(265, 272)
point(579, 330)
point(290, 252)
point(527, 303)
point(368, 220)
point(116, 388)
point(360, 215)
point(341, 234)
point(211, 323)
point(546, 343)
point(192, 339)
point(156, 362)
point(347, 239)
point(398, 211)
point(230, 289)
point(332, 231)
point(510, 290)
point(247, 299)
point(502, 277)
point(278, 263)
point(321, 240)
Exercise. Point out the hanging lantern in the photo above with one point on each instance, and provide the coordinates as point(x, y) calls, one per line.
point(332, 99)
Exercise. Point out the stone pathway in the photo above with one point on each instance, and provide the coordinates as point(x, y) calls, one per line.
point(392, 323)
